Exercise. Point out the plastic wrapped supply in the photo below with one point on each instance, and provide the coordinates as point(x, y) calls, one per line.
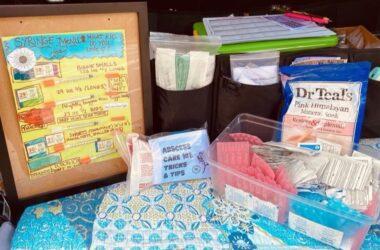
point(259, 68)
point(328, 100)
point(183, 62)
point(316, 60)
point(162, 158)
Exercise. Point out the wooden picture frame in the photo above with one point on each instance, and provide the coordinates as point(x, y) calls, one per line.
point(131, 19)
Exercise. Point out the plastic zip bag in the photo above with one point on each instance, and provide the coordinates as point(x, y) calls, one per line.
point(162, 157)
point(183, 44)
point(183, 62)
point(255, 68)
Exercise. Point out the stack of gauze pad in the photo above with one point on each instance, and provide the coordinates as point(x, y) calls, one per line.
point(237, 154)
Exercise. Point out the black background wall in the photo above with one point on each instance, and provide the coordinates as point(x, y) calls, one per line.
point(177, 16)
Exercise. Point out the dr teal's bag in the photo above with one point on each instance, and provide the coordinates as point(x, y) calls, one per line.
point(329, 100)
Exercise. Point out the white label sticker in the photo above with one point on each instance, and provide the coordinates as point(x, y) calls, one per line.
point(27, 94)
point(104, 145)
point(116, 105)
point(237, 196)
point(35, 149)
point(54, 139)
point(317, 231)
point(251, 202)
point(330, 147)
point(263, 208)
point(43, 70)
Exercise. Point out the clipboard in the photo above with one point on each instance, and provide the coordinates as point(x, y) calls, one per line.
point(285, 45)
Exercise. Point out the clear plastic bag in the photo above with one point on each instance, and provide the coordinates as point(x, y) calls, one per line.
point(162, 158)
point(183, 44)
point(259, 68)
point(183, 62)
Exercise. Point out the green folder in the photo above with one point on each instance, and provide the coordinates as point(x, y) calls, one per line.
point(284, 45)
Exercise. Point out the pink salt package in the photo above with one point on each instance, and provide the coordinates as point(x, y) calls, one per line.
point(319, 104)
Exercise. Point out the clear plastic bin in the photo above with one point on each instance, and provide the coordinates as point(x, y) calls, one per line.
point(336, 228)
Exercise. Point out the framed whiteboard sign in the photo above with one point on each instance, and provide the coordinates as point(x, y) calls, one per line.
point(71, 75)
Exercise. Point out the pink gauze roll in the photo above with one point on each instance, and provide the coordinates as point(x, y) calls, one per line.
point(252, 139)
point(259, 162)
point(233, 154)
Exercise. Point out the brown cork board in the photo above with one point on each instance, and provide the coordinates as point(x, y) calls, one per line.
point(54, 19)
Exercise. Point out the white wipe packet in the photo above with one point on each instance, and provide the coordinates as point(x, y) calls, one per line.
point(138, 156)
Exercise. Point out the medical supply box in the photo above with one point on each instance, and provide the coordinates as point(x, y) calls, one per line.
point(333, 226)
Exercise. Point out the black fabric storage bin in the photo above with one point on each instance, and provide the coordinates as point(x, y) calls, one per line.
point(179, 110)
point(231, 98)
point(371, 124)
point(220, 102)
point(372, 55)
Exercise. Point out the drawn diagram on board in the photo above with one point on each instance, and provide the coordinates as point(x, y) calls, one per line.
point(71, 93)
